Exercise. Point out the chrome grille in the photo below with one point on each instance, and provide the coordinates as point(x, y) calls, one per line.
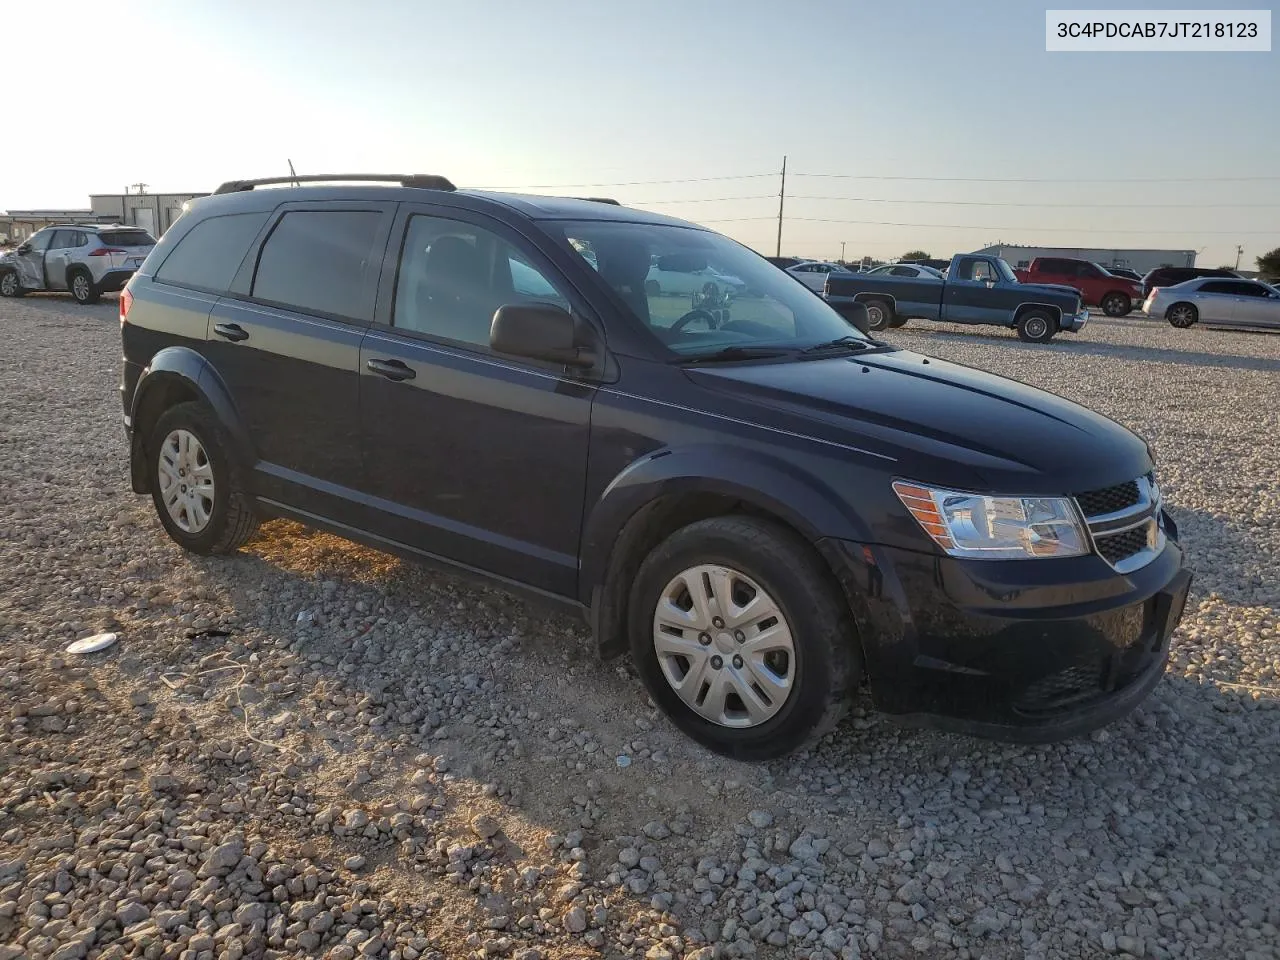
point(1121, 546)
point(1125, 522)
point(1109, 500)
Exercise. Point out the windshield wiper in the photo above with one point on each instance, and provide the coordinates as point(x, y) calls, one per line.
point(729, 354)
point(852, 344)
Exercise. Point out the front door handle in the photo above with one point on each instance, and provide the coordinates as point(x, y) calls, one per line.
point(392, 369)
point(231, 331)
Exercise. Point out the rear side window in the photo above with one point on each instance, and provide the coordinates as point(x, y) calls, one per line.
point(208, 257)
point(127, 238)
point(317, 260)
point(1218, 286)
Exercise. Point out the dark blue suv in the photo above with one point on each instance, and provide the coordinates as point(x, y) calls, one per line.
point(766, 508)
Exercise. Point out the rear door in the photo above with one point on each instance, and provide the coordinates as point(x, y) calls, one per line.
point(286, 341)
point(1216, 301)
point(471, 455)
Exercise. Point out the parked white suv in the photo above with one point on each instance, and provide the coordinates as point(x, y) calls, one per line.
point(86, 259)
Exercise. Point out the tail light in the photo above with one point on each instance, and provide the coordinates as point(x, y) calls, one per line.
point(105, 252)
point(126, 301)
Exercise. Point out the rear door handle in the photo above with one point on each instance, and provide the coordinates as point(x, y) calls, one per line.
point(231, 331)
point(392, 369)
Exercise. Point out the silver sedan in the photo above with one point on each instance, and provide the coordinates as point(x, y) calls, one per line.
point(1239, 303)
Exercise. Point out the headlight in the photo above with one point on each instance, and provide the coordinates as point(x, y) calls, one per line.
point(995, 528)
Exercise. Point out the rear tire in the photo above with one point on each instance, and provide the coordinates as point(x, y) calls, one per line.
point(10, 285)
point(226, 520)
point(1036, 326)
point(1117, 304)
point(898, 321)
point(1182, 315)
point(82, 287)
point(880, 314)
point(804, 635)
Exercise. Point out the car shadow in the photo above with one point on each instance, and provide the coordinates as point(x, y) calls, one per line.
point(432, 701)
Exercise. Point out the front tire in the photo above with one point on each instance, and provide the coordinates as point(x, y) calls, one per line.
point(1182, 315)
point(10, 285)
point(1117, 304)
point(83, 288)
point(1036, 326)
point(879, 314)
point(198, 491)
point(742, 639)
point(898, 321)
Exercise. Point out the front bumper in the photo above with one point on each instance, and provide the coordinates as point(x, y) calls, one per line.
point(1032, 651)
point(1074, 323)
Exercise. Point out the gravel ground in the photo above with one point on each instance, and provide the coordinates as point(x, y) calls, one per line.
point(312, 749)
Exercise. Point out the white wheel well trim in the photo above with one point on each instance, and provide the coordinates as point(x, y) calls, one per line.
point(1022, 308)
point(889, 297)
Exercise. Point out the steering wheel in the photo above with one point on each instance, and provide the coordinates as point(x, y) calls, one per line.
point(692, 315)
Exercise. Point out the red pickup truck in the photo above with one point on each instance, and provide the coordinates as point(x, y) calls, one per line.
point(1115, 295)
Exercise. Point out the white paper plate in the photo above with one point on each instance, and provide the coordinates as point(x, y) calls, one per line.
point(99, 641)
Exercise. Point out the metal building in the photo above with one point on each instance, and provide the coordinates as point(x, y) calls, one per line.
point(1140, 260)
point(153, 212)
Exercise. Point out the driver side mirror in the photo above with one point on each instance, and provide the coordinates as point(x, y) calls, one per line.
point(538, 331)
point(990, 282)
point(24, 248)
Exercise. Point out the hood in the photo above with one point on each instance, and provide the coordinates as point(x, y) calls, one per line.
point(941, 421)
point(1058, 288)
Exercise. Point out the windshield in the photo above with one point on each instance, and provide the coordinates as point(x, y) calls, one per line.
point(700, 292)
point(1006, 271)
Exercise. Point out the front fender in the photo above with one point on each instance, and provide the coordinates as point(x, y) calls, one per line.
point(175, 375)
point(764, 482)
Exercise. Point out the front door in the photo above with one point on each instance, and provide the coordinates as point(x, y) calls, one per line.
point(31, 262)
point(56, 258)
point(287, 344)
point(470, 455)
point(977, 294)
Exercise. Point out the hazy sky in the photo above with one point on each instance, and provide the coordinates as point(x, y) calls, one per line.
point(561, 96)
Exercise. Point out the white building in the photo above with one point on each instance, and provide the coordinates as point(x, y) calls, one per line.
point(1140, 260)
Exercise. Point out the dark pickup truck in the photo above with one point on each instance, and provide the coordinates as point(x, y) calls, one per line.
point(977, 289)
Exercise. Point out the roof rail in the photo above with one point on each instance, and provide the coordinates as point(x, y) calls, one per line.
point(600, 200)
point(422, 180)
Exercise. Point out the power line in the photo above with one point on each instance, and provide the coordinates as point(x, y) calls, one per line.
point(858, 176)
point(975, 203)
point(629, 183)
point(988, 226)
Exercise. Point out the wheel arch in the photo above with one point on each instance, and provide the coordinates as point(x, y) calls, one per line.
point(1054, 311)
point(176, 375)
point(664, 492)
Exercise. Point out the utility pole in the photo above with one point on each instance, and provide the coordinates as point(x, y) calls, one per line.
point(1239, 250)
point(140, 188)
point(782, 196)
point(842, 243)
point(294, 173)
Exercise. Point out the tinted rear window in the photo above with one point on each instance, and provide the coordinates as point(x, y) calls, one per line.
point(126, 238)
point(210, 254)
point(316, 260)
